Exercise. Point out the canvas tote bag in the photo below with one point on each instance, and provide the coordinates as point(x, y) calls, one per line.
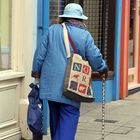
point(77, 85)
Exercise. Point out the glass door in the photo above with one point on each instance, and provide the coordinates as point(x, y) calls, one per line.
point(133, 45)
point(5, 34)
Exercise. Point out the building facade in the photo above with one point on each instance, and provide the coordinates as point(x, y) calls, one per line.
point(17, 43)
point(115, 26)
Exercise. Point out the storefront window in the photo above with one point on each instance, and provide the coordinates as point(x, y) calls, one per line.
point(100, 23)
point(93, 9)
point(131, 39)
point(56, 8)
point(5, 31)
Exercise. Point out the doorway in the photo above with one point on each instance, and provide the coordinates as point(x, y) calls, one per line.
point(133, 52)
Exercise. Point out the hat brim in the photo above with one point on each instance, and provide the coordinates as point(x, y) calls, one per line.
point(71, 16)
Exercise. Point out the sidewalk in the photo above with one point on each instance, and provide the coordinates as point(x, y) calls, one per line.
point(122, 120)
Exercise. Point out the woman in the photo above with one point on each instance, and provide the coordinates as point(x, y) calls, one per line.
point(49, 65)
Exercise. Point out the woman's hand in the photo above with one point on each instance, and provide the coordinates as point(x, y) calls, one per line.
point(36, 81)
point(104, 75)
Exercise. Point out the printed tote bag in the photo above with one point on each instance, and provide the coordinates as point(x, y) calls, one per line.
point(77, 85)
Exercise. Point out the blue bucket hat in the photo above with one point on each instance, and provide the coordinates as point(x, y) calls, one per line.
point(73, 10)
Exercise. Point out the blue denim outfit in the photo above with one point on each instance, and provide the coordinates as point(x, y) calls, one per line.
point(50, 60)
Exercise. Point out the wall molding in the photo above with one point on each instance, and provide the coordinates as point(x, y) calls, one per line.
point(10, 133)
point(9, 123)
point(9, 86)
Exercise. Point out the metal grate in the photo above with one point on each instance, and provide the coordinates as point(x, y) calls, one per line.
point(56, 8)
point(106, 121)
point(92, 10)
point(97, 12)
point(105, 20)
point(97, 23)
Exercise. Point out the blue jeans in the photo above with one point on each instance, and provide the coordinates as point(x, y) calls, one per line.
point(63, 121)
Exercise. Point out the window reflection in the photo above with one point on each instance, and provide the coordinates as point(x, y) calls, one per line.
point(5, 30)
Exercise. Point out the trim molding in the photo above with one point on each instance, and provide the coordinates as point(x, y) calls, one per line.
point(2, 125)
point(9, 74)
point(10, 133)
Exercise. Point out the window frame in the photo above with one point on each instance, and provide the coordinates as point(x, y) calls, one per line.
point(16, 68)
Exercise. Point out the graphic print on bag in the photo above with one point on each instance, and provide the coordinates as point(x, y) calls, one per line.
point(86, 69)
point(77, 67)
point(89, 91)
point(73, 85)
point(82, 88)
point(84, 79)
point(76, 77)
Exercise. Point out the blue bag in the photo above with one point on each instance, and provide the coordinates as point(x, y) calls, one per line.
point(34, 114)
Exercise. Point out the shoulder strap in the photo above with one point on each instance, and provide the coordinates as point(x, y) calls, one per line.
point(67, 39)
point(71, 42)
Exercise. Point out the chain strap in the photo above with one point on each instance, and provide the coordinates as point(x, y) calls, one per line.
point(103, 107)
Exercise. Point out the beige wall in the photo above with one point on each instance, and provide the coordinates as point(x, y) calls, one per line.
point(14, 82)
